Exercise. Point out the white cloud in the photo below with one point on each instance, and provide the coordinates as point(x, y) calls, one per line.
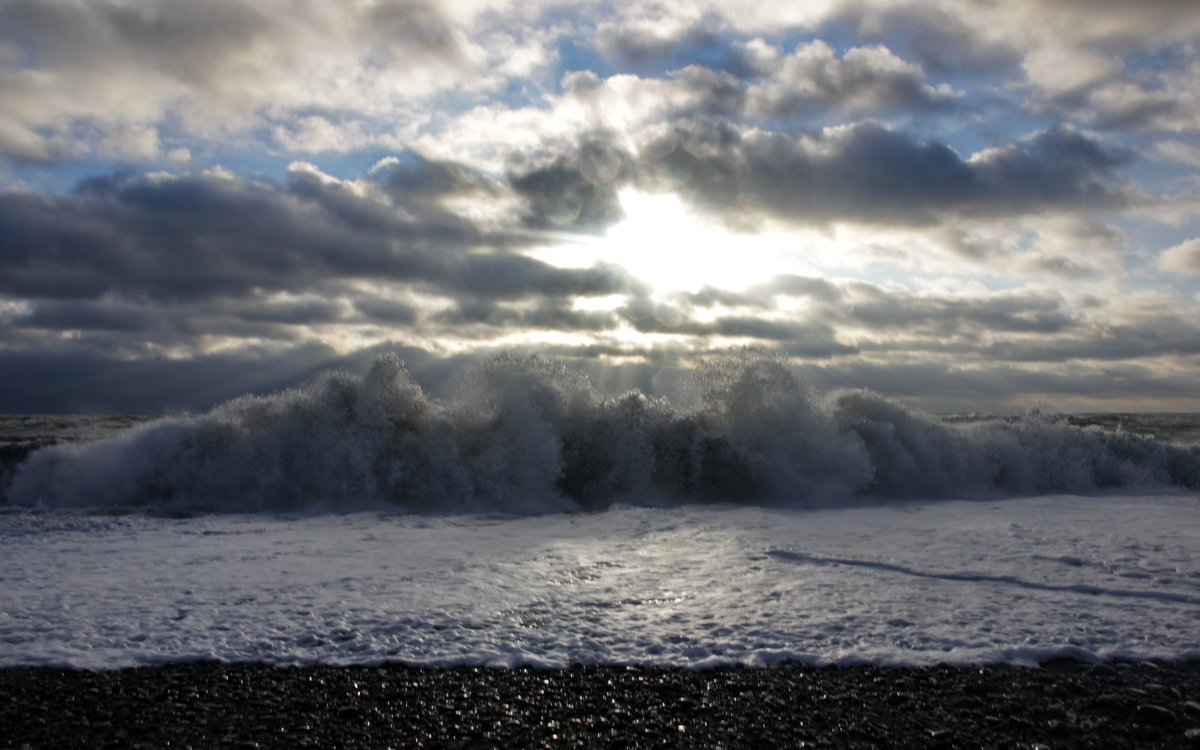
point(864, 79)
point(136, 141)
point(1176, 151)
point(367, 69)
point(1182, 258)
point(220, 66)
point(948, 239)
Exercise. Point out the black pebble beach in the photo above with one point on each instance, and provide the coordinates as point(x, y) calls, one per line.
point(1062, 704)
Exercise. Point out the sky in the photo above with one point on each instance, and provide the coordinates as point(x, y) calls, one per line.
point(961, 204)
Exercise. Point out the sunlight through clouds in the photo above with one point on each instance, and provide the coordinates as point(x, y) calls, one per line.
point(671, 248)
point(1004, 197)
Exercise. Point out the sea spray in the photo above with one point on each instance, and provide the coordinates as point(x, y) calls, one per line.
point(530, 434)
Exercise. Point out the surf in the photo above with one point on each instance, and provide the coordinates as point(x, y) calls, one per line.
point(529, 434)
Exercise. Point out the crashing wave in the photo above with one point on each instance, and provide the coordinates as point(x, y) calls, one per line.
point(530, 434)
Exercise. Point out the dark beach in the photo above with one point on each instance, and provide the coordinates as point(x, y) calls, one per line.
point(1062, 704)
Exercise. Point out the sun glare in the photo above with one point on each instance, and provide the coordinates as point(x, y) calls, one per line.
point(670, 248)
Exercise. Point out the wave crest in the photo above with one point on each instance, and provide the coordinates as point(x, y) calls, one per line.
point(530, 434)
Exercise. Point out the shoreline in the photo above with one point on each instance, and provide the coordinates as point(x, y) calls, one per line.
point(1062, 703)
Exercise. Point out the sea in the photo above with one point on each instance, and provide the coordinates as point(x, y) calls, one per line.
point(524, 517)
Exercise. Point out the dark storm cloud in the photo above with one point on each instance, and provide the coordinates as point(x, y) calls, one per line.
point(762, 295)
point(400, 28)
point(711, 93)
point(1017, 330)
point(1059, 167)
point(133, 266)
point(791, 285)
point(709, 296)
point(512, 276)
point(903, 321)
point(810, 341)
point(482, 319)
point(121, 325)
point(943, 42)
point(997, 386)
point(1151, 111)
point(418, 183)
point(869, 173)
point(87, 315)
point(807, 338)
point(813, 80)
point(576, 191)
point(182, 238)
point(303, 312)
point(201, 236)
point(55, 379)
point(756, 83)
point(1166, 336)
point(635, 46)
point(385, 310)
point(1061, 267)
point(81, 379)
point(878, 310)
point(186, 41)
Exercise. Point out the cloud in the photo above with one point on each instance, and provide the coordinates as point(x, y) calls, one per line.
point(752, 84)
point(810, 338)
point(49, 380)
point(655, 41)
point(864, 79)
point(869, 173)
point(941, 194)
point(199, 236)
point(212, 67)
point(192, 262)
point(319, 79)
point(1110, 344)
point(941, 349)
point(879, 310)
point(759, 81)
point(390, 311)
point(1182, 258)
point(560, 195)
point(478, 319)
point(1001, 387)
point(940, 36)
point(116, 326)
point(188, 237)
point(1171, 150)
point(1132, 95)
point(185, 265)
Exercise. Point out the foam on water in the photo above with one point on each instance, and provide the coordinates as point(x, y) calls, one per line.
point(898, 582)
point(530, 434)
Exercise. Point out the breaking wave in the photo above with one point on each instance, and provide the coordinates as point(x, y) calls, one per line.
point(530, 434)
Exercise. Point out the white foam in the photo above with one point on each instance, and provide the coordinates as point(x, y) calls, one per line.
point(1017, 580)
point(529, 434)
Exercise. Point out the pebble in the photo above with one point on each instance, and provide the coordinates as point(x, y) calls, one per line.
point(1062, 704)
point(1148, 713)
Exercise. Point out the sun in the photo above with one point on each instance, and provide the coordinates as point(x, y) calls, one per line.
point(670, 247)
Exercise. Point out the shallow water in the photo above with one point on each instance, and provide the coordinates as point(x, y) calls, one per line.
point(1016, 580)
point(525, 518)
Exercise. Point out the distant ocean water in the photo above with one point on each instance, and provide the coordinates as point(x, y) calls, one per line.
point(528, 519)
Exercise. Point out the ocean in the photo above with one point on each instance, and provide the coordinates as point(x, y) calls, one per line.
point(525, 518)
